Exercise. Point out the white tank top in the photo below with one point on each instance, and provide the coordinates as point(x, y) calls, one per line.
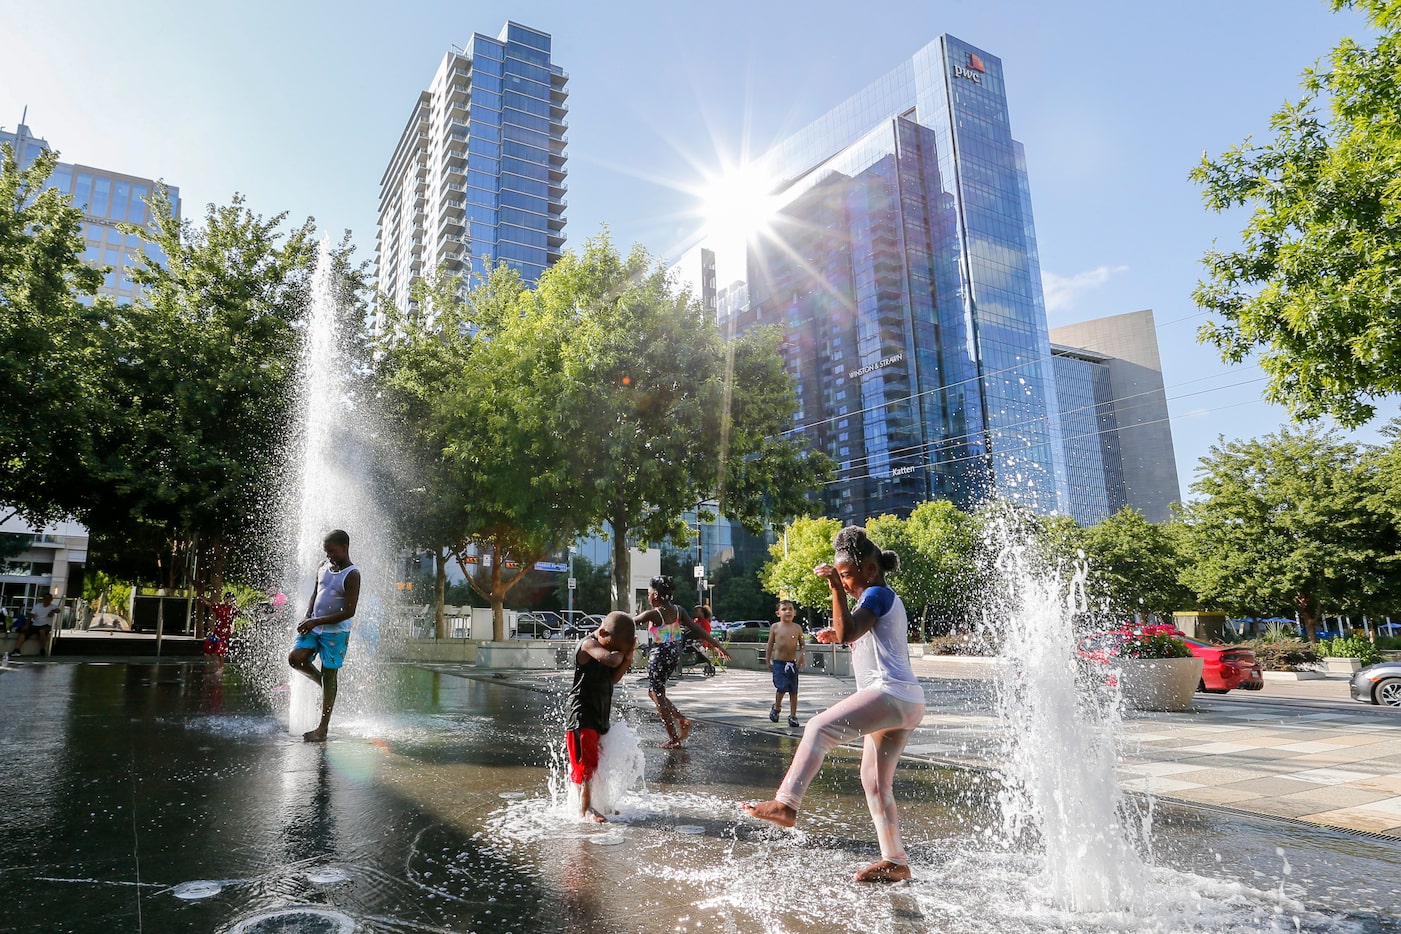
point(330, 596)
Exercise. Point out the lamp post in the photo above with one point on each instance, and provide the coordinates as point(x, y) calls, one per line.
point(569, 614)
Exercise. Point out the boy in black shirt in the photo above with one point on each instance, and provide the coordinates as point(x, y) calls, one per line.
point(600, 662)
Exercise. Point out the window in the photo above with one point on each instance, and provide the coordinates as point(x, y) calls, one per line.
point(101, 190)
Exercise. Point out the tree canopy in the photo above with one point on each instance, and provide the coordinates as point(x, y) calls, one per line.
point(1283, 523)
point(1313, 288)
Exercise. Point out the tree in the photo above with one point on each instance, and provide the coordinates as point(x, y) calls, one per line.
point(202, 382)
point(470, 377)
point(805, 544)
point(1135, 566)
point(659, 413)
point(50, 342)
point(1313, 287)
point(1284, 521)
point(592, 590)
point(939, 578)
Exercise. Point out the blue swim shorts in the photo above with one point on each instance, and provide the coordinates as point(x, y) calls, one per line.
point(785, 677)
point(330, 646)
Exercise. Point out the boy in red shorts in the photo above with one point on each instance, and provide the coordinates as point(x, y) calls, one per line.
point(600, 662)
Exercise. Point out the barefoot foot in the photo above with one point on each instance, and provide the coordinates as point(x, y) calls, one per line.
point(314, 736)
point(775, 812)
point(594, 816)
point(671, 744)
point(884, 871)
point(684, 731)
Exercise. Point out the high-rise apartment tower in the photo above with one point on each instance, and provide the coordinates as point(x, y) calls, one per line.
point(478, 174)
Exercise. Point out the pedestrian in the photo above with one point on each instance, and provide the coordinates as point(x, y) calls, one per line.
point(667, 625)
point(600, 662)
point(40, 623)
point(886, 708)
point(326, 629)
point(786, 655)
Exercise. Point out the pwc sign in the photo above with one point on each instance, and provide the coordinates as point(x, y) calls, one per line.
point(973, 71)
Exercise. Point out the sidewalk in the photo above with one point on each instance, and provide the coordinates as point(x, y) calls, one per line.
point(1300, 750)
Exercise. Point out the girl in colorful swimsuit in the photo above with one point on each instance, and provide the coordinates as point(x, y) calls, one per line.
point(886, 708)
point(668, 624)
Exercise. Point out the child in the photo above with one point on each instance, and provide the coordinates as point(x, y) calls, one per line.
point(326, 629)
point(786, 656)
point(667, 625)
point(886, 708)
point(599, 663)
point(221, 630)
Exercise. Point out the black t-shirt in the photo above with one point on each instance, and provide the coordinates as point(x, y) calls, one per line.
point(591, 696)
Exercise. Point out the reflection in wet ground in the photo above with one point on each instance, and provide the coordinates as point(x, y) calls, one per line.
point(164, 798)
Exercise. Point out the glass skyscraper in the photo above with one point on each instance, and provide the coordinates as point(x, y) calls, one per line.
point(902, 268)
point(478, 174)
point(106, 199)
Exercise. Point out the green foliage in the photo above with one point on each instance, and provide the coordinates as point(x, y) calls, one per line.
point(50, 343)
point(939, 577)
point(1350, 647)
point(1283, 521)
point(804, 544)
point(1284, 654)
point(738, 594)
point(1312, 287)
point(1135, 565)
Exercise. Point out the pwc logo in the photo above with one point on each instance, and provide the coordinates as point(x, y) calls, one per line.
point(973, 71)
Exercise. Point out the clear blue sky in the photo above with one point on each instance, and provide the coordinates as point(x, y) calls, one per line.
point(298, 106)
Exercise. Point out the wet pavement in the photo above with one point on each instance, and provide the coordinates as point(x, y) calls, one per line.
point(168, 797)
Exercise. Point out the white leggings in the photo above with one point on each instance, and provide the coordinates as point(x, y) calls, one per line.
point(886, 722)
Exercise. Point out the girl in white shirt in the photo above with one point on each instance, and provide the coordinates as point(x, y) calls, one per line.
point(886, 708)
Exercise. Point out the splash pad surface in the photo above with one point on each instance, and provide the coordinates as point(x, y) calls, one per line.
point(132, 787)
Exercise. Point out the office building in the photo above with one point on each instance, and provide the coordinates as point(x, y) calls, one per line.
point(902, 266)
point(478, 174)
point(1114, 418)
point(106, 198)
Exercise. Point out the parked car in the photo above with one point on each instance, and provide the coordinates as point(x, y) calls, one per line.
point(1378, 684)
point(1224, 667)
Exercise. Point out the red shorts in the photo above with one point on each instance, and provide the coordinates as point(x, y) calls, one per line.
point(583, 754)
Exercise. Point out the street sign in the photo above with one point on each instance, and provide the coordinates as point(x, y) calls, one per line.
point(700, 571)
point(571, 583)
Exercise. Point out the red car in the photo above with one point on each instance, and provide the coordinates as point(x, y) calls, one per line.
point(1224, 667)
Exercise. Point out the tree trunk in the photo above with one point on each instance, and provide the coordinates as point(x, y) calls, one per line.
point(440, 581)
point(498, 598)
point(1308, 615)
point(622, 567)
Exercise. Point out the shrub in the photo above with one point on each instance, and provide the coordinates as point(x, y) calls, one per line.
point(961, 644)
point(1389, 643)
point(1275, 654)
point(1351, 647)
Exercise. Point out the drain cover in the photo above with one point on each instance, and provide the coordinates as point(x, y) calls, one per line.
point(300, 920)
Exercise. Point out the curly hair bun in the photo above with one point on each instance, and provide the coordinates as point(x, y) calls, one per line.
point(856, 546)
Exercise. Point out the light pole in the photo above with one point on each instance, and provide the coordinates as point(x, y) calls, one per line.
point(569, 614)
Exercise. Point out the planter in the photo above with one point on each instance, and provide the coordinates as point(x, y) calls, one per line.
point(1159, 683)
point(524, 653)
point(1341, 666)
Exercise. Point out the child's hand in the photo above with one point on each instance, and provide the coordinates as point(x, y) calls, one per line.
point(827, 571)
point(828, 635)
point(306, 625)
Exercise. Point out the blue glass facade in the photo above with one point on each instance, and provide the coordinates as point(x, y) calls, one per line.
point(478, 174)
point(902, 266)
point(515, 175)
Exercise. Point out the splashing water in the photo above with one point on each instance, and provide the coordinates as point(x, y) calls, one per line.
point(1060, 786)
point(330, 487)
